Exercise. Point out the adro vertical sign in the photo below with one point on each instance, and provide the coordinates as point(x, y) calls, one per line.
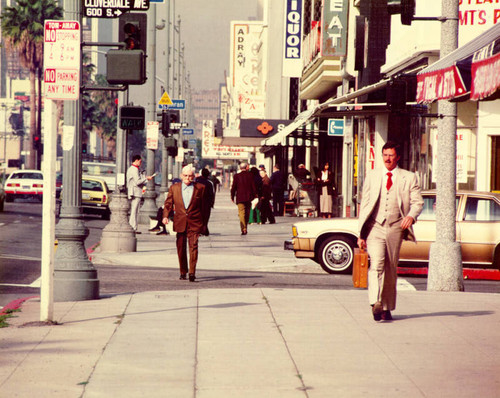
point(61, 60)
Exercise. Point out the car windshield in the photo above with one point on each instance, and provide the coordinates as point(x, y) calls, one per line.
point(27, 175)
point(95, 186)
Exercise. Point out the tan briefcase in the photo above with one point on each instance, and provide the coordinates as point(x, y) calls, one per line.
point(360, 269)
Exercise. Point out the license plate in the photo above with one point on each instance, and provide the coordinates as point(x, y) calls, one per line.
point(85, 196)
point(26, 187)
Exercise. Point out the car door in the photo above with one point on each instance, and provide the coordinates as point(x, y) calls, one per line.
point(478, 230)
point(425, 233)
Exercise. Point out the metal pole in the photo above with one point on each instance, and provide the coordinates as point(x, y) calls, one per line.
point(164, 154)
point(75, 278)
point(445, 256)
point(149, 208)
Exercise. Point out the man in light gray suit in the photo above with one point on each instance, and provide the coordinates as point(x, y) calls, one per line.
point(390, 205)
point(135, 181)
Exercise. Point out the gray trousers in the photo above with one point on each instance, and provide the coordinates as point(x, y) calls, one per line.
point(134, 212)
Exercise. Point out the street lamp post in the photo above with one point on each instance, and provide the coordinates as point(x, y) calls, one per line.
point(75, 278)
point(445, 256)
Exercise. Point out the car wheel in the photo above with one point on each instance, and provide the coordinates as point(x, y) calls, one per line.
point(336, 254)
point(1, 205)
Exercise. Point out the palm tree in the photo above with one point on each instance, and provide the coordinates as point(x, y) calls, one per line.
point(22, 30)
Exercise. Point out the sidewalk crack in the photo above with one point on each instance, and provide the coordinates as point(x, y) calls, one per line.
point(117, 323)
point(303, 388)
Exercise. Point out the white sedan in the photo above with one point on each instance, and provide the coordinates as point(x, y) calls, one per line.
point(24, 184)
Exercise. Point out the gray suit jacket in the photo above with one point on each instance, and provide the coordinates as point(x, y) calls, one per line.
point(408, 191)
point(135, 182)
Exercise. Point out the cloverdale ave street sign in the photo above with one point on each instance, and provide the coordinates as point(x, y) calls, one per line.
point(112, 8)
point(61, 60)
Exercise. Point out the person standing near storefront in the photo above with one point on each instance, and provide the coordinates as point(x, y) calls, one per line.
point(326, 190)
point(278, 187)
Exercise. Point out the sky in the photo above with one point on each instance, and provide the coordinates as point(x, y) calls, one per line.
point(205, 28)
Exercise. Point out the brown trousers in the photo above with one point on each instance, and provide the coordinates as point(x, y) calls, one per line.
point(182, 241)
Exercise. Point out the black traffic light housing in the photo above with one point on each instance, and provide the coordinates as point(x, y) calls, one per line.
point(128, 65)
point(396, 95)
point(404, 7)
point(132, 117)
point(37, 142)
point(132, 29)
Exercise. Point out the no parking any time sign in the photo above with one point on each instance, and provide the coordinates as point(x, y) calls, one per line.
point(61, 60)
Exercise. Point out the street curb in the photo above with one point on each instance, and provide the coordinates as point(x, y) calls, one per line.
point(15, 304)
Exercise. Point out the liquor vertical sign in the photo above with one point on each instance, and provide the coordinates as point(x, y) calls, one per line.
point(61, 60)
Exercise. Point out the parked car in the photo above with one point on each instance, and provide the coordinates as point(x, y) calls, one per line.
point(331, 242)
point(2, 197)
point(105, 171)
point(24, 184)
point(95, 197)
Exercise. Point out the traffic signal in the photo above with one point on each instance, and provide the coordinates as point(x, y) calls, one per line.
point(165, 123)
point(132, 31)
point(404, 7)
point(37, 142)
point(396, 95)
point(128, 65)
point(84, 148)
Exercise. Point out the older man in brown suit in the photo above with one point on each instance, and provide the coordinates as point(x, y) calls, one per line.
point(244, 191)
point(186, 199)
point(390, 205)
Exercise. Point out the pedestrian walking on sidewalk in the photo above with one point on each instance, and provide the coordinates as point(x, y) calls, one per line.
point(209, 194)
point(187, 200)
point(266, 212)
point(135, 182)
point(243, 191)
point(390, 205)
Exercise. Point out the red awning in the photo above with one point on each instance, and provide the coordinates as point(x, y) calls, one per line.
point(446, 83)
point(485, 77)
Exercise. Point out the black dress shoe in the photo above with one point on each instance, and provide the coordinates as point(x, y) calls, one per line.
point(182, 277)
point(386, 316)
point(155, 229)
point(192, 277)
point(244, 232)
point(377, 311)
point(138, 232)
point(162, 233)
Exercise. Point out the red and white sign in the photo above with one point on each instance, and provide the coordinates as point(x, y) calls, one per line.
point(61, 60)
point(210, 150)
point(485, 77)
point(441, 84)
point(152, 130)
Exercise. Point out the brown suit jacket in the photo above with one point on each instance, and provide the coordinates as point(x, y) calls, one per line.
point(243, 188)
point(192, 219)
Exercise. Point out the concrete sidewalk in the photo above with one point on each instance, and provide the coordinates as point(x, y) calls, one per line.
point(260, 342)
point(255, 343)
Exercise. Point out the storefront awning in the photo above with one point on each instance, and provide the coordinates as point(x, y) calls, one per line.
point(451, 77)
point(309, 114)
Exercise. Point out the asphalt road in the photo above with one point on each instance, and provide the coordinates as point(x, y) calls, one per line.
point(20, 248)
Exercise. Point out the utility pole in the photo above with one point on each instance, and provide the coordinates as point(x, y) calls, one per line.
point(75, 278)
point(149, 208)
point(445, 257)
point(164, 153)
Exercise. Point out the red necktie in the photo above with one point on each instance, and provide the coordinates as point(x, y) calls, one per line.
point(389, 180)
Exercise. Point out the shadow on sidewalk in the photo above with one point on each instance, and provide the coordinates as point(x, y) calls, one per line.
point(444, 313)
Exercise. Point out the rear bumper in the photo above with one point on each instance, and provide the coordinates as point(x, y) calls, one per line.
point(288, 244)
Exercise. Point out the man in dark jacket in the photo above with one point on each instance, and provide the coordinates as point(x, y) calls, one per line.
point(209, 194)
point(278, 186)
point(266, 212)
point(244, 191)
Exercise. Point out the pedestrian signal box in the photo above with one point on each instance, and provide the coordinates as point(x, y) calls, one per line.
point(132, 117)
